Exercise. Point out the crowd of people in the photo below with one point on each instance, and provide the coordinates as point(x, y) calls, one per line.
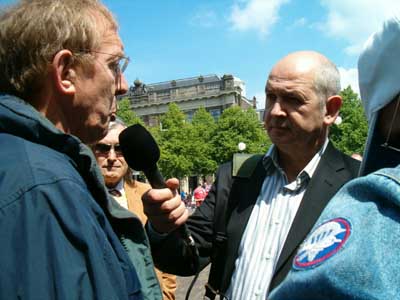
point(293, 223)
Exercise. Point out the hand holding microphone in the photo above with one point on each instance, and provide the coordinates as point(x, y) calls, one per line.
point(162, 205)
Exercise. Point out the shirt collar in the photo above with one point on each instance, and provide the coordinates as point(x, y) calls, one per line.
point(119, 187)
point(313, 164)
point(270, 162)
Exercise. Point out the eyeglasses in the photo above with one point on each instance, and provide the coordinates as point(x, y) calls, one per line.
point(120, 65)
point(386, 143)
point(104, 149)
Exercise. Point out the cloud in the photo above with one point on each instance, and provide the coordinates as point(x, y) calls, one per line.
point(355, 20)
point(300, 22)
point(204, 18)
point(349, 77)
point(257, 15)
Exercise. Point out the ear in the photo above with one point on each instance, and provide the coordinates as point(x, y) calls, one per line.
point(64, 73)
point(333, 105)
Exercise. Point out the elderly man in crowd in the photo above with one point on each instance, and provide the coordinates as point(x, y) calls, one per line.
point(256, 214)
point(353, 251)
point(62, 236)
point(126, 190)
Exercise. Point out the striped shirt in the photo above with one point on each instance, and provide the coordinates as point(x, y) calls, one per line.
point(268, 227)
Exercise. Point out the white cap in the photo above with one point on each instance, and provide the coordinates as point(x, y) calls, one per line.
point(379, 80)
point(379, 67)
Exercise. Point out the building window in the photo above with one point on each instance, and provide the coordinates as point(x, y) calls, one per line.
point(162, 95)
point(215, 113)
point(189, 115)
point(215, 86)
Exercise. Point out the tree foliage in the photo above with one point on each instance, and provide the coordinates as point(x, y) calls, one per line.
point(175, 160)
point(126, 114)
point(351, 134)
point(197, 148)
point(234, 126)
point(201, 131)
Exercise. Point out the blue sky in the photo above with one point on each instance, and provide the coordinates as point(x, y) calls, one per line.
point(175, 39)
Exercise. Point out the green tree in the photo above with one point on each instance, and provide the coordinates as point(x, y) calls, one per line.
point(235, 126)
point(175, 160)
point(126, 114)
point(200, 147)
point(351, 134)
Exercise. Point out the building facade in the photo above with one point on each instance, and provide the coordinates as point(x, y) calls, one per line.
point(212, 92)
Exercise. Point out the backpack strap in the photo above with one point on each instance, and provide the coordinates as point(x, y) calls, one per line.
point(243, 166)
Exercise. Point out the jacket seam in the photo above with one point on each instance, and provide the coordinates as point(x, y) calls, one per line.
point(17, 196)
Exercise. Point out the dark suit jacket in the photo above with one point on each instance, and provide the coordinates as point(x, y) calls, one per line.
point(237, 196)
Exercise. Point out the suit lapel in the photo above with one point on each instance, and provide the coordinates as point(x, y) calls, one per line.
point(133, 195)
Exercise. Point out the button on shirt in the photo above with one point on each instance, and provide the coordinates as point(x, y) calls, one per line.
point(268, 227)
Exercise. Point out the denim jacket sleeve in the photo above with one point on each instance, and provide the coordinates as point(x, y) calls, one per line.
point(352, 252)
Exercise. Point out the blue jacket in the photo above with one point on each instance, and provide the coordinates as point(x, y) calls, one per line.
point(353, 252)
point(61, 237)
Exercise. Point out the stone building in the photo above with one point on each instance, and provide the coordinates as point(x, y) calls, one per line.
point(212, 92)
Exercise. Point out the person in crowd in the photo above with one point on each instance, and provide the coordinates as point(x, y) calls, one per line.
point(62, 236)
point(125, 190)
point(199, 194)
point(183, 196)
point(353, 250)
point(256, 214)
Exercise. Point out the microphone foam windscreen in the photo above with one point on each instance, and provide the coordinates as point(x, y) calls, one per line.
point(139, 148)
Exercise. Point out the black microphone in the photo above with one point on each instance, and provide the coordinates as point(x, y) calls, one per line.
point(141, 152)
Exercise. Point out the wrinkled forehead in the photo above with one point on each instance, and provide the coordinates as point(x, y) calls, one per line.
point(288, 84)
point(298, 68)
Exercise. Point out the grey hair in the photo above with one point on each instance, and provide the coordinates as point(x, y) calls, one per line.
point(116, 123)
point(326, 80)
point(33, 31)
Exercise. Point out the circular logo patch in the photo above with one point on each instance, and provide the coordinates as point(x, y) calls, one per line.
point(326, 240)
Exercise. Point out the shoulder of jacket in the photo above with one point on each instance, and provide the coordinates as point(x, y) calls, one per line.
point(37, 161)
point(137, 185)
point(243, 165)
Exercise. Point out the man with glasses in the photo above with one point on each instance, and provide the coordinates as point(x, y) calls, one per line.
point(62, 236)
point(353, 251)
point(126, 190)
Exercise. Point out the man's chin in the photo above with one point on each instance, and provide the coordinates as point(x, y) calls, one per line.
point(95, 134)
point(278, 135)
point(111, 180)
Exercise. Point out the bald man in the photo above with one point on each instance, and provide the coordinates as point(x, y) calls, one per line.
point(258, 211)
point(353, 250)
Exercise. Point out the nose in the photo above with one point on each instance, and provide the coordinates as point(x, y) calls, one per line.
point(276, 110)
point(122, 85)
point(111, 155)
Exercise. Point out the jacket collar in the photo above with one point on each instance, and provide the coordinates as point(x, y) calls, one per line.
point(19, 118)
